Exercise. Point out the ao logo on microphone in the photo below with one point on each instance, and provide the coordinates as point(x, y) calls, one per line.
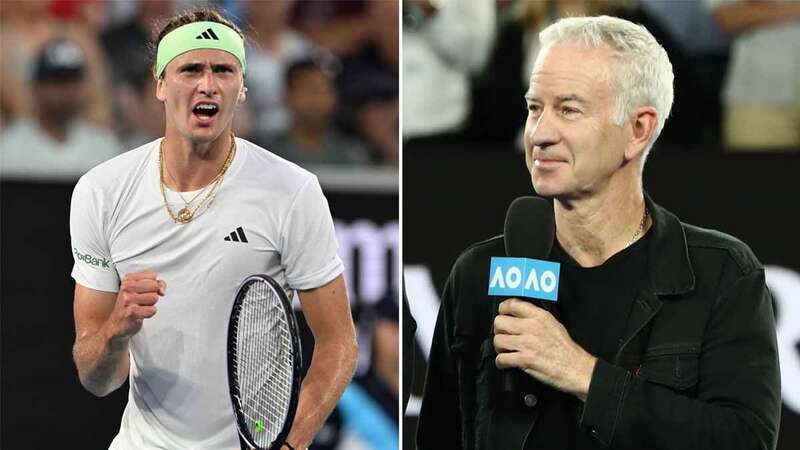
point(524, 277)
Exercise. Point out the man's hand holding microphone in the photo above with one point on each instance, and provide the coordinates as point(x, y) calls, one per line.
point(527, 336)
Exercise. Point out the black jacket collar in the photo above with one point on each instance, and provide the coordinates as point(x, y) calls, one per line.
point(670, 268)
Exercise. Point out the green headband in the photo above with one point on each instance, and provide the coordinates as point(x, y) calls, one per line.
point(197, 35)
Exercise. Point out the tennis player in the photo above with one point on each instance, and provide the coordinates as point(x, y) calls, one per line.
point(164, 234)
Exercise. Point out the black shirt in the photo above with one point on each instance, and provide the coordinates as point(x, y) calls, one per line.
point(593, 305)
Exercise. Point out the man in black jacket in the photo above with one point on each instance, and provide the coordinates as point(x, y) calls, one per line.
point(663, 335)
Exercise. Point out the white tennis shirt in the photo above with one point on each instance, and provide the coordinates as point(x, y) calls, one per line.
point(276, 221)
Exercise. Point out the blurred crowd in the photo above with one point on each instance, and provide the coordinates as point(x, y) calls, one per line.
point(76, 82)
point(466, 67)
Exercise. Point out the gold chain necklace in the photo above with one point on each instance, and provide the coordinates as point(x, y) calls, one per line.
point(187, 214)
point(641, 227)
point(199, 191)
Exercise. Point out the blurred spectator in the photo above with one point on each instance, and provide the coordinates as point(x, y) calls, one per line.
point(370, 81)
point(762, 89)
point(444, 42)
point(126, 43)
point(89, 16)
point(25, 27)
point(312, 139)
point(341, 27)
point(699, 52)
point(378, 121)
point(272, 46)
point(57, 141)
point(129, 57)
point(365, 36)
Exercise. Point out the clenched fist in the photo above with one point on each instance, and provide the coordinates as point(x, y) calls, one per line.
point(136, 301)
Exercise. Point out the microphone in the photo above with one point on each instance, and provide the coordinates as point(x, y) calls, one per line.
point(530, 228)
point(528, 235)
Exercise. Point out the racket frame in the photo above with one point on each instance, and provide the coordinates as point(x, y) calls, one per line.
point(241, 425)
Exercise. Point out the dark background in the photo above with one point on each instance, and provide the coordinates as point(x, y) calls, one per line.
point(456, 195)
point(43, 403)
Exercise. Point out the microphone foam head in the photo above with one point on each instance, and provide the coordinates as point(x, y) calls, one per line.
point(530, 228)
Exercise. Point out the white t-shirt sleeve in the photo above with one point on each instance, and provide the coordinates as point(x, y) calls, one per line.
point(93, 266)
point(308, 240)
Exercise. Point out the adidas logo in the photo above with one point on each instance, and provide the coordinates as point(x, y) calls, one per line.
point(208, 34)
point(237, 236)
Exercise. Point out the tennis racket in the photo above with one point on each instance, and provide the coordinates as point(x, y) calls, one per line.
point(264, 361)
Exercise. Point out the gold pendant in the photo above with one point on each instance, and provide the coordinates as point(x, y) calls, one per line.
point(185, 215)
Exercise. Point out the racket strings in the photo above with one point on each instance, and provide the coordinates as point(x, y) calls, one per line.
point(263, 362)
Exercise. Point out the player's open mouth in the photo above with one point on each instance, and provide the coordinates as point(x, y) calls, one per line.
point(205, 111)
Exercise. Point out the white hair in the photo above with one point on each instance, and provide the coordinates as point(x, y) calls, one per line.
point(643, 74)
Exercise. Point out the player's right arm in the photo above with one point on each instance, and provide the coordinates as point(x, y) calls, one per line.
point(104, 324)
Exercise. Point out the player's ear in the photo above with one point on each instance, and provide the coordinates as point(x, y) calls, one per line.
point(643, 126)
point(161, 93)
point(242, 96)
